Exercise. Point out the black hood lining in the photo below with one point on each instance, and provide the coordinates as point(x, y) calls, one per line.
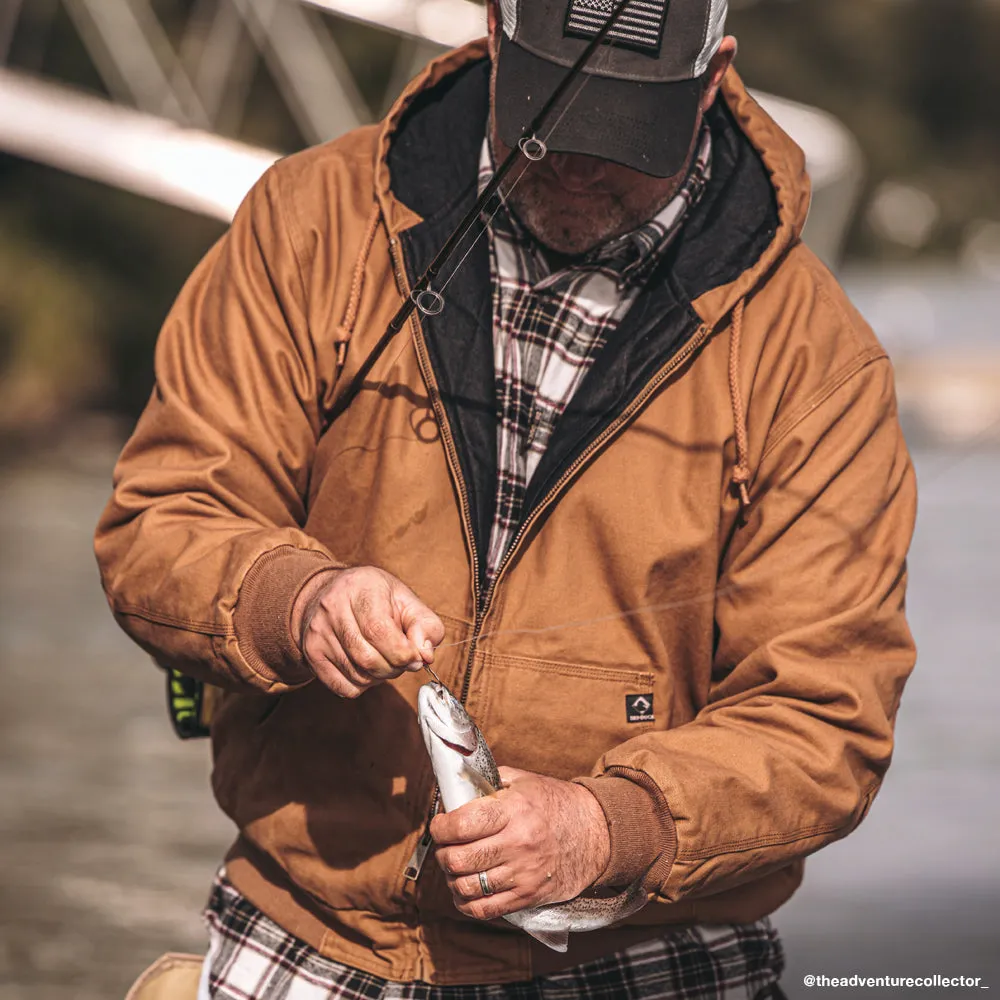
point(433, 164)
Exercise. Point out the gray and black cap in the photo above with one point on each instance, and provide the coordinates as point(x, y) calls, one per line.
point(640, 100)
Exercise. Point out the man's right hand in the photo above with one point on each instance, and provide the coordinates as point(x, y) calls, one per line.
point(358, 627)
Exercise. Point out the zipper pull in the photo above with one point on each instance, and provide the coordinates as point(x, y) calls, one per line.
point(419, 855)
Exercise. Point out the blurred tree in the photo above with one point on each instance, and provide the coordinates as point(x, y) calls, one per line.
point(915, 80)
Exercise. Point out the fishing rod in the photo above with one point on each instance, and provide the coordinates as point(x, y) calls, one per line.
point(186, 697)
point(528, 145)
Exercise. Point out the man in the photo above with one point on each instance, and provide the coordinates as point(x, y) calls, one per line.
point(636, 490)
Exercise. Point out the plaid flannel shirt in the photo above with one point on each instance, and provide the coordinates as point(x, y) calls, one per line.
point(251, 958)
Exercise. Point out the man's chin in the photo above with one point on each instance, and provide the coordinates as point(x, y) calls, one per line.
point(563, 232)
point(579, 223)
point(569, 243)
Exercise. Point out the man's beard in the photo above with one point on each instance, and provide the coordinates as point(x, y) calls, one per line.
point(573, 226)
point(573, 223)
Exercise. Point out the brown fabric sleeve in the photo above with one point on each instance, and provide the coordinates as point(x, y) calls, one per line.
point(812, 647)
point(211, 489)
point(262, 616)
point(643, 838)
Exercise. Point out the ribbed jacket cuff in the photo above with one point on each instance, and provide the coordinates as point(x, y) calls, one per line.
point(643, 835)
point(262, 616)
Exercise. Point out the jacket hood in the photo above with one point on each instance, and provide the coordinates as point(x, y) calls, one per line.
point(714, 286)
point(750, 214)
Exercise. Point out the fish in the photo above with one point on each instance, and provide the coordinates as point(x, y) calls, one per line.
point(465, 770)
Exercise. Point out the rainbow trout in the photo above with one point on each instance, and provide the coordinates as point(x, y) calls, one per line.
point(465, 770)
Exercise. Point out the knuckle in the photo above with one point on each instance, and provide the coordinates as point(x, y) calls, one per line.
point(339, 660)
point(358, 652)
point(493, 813)
point(362, 603)
point(490, 910)
point(534, 828)
point(458, 862)
point(487, 857)
point(524, 892)
point(367, 659)
point(463, 886)
point(351, 639)
point(375, 628)
point(399, 658)
point(340, 687)
point(465, 827)
point(520, 837)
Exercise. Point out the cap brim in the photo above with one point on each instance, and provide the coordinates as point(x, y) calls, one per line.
point(645, 126)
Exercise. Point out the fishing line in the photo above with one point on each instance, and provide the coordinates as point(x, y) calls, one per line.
point(430, 302)
point(484, 228)
point(926, 481)
point(615, 616)
point(427, 667)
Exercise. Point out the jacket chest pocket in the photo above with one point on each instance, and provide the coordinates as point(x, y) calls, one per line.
point(559, 718)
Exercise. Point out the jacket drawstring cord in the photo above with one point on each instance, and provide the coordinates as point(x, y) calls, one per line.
point(343, 332)
point(741, 471)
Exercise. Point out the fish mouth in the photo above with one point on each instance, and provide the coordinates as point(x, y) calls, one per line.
point(437, 717)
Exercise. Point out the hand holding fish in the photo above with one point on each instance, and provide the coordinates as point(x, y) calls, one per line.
point(361, 626)
point(531, 826)
point(539, 840)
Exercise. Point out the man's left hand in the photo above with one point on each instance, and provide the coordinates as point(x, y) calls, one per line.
point(539, 840)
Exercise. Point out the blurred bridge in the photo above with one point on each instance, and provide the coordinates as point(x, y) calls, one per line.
point(163, 132)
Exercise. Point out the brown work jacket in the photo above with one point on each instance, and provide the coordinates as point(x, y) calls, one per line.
point(701, 616)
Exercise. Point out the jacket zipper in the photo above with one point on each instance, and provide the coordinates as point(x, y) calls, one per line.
point(613, 428)
point(416, 860)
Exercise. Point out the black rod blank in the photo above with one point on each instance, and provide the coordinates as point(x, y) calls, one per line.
point(462, 229)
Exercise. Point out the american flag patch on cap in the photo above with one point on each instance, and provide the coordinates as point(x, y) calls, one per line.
point(640, 25)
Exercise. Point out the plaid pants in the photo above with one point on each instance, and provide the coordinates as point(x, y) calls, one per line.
point(251, 958)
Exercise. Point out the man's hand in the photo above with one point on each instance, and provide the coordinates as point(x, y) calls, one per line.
point(358, 627)
point(539, 840)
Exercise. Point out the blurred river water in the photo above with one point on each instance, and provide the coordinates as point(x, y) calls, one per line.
point(109, 836)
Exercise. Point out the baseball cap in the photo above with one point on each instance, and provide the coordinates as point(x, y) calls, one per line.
point(639, 104)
